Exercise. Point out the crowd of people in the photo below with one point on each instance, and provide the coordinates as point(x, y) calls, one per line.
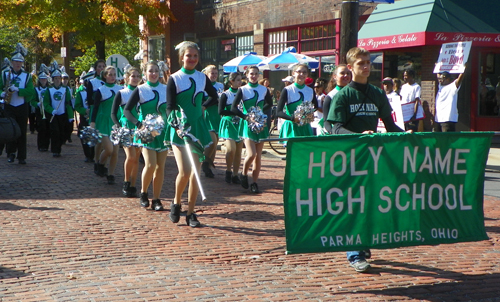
point(197, 111)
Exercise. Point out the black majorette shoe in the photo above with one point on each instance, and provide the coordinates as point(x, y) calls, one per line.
point(132, 192)
point(144, 200)
point(156, 205)
point(254, 188)
point(126, 188)
point(102, 170)
point(236, 180)
point(175, 212)
point(11, 158)
point(96, 168)
point(205, 167)
point(228, 176)
point(110, 179)
point(244, 181)
point(192, 220)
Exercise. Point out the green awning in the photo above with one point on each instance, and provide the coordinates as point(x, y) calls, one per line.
point(423, 17)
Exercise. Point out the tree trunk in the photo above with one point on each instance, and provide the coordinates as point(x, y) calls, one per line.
point(349, 28)
point(100, 49)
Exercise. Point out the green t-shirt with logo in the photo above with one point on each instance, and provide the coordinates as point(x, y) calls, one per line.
point(345, 105)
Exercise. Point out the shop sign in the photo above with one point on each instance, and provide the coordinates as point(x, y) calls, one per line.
point(452, 57)
point(395, 41)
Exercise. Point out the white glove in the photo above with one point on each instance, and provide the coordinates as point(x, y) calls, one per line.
point(54, 112)
point(13, 88)
point(2, 95)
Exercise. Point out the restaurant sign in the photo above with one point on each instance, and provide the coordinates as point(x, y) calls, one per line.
point(428, 38)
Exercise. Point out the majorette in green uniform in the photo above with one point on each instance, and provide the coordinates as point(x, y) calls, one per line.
point(229, 123)
point(185, 97)
point(212, 115)
point(291, 97)
point(103, 101)
point(251, 95)
point(151, 99)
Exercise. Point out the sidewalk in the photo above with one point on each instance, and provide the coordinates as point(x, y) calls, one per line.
point(493, 163)
point(65, 235)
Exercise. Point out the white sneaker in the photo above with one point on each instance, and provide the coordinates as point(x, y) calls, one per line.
point(360, 266)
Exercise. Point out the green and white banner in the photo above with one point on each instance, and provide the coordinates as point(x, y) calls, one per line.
point(354, 192)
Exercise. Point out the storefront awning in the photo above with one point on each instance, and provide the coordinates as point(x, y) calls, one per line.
point(409, 23)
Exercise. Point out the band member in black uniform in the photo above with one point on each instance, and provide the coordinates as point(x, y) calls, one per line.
point(42, 123)
point(18, 90)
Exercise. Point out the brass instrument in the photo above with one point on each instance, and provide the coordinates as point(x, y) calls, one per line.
point(8, 94)
point(42, 108)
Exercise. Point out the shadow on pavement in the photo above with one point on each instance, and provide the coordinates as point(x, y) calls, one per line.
point(6, 206)
point(251, 231)
point(6, 273)
point(465, 287)
point(249, 216)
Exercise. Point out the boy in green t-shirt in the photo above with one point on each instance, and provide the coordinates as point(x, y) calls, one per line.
point(356, 109)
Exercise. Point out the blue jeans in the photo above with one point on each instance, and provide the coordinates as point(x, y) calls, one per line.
point(356, 256)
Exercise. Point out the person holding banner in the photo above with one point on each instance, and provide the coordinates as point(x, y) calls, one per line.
point(228, 129)
point(293, 96)
point(252, 95)
point(356, 109)
point(133, 153)
point(446, 102)
point(410, 93)
point(185, 91)
point(150, 98)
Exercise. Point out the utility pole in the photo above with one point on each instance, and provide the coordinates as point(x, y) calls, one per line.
point(348, 27)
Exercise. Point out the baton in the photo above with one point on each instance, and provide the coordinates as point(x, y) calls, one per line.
point(53, 115)
point(195, 169)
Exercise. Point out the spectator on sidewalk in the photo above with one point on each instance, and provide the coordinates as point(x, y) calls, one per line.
point(410, 92)
point(446, 102)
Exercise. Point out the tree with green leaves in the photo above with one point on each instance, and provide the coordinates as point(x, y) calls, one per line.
point(97, 22)
point(127, 48)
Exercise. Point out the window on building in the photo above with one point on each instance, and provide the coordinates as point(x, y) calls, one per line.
point(209, 51)
point(281, 40)
point(321, 37)
point(244, 45)
point(156, 48)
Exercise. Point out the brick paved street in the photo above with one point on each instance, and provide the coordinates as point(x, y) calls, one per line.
point(65, 235)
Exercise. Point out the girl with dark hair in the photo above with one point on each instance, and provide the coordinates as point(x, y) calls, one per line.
point(228, 129)
point(133, 153)
point(340, 78)
point(101, 120)
point(249, 96)
point(213, 118)
point(150, 98)
point(291, 97)
point(91, 87)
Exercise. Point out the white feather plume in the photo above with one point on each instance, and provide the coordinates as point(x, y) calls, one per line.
point(21, 49)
